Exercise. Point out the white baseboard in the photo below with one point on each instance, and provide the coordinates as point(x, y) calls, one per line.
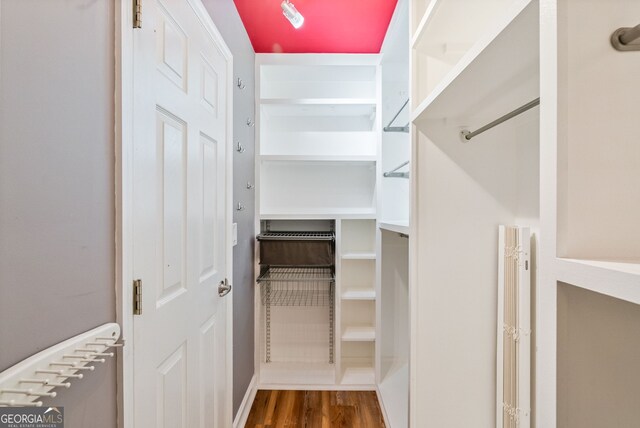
point(245, 407)
point(382, 408)
point(314, 387)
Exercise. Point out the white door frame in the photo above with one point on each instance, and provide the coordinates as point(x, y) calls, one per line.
point(123, 129)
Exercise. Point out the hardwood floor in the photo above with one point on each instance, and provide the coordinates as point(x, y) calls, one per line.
point(315, 409)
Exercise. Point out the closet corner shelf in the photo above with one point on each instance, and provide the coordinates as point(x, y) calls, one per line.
point(493, 55)
point(359, 334)
point(359, 295)
point(612, 278)
point(396, 226)
point(359, 256)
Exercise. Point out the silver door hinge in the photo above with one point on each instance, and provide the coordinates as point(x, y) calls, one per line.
point(137, 297)
point(137, 14)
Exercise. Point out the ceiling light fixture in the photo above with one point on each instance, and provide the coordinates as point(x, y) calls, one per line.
point(292, 14)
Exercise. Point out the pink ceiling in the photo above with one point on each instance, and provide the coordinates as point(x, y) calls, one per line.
point(330, 26)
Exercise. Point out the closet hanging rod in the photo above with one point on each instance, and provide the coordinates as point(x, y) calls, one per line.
point(468, 135)
point(626, 38)
point(390, 128)
point(393, 172)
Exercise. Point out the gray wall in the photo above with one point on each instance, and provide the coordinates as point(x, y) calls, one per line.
point(56, 187)
point(228, 21)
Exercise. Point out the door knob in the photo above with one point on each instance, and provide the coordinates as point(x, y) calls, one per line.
point(224, 288)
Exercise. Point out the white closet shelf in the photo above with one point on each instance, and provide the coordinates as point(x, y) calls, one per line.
point(315, 108)
point(499, 73)
point(616, 279)
point(358, 373)
point(359, 334)
point(318, 101)
point(317, 158)
point(356, 294)
point(324, 214)
point(322, 74)
point(359, 256)
point(395, 226)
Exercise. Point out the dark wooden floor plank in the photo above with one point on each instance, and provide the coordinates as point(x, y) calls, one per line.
point(270, 416)
point(315, 409)
point(258, 409)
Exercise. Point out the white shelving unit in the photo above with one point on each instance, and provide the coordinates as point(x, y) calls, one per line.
point(318, 160)
point(568, 169)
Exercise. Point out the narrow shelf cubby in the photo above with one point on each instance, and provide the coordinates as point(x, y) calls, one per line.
point(358, 321)
point(358, 363)
point(358, 279)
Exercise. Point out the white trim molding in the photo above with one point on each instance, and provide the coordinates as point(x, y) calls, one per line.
point(245, 407)
point(123, 130)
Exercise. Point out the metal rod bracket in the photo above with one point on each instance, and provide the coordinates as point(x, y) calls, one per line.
point(626, 39)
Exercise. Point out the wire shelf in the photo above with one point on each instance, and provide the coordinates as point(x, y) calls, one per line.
point(298, 236)
point(297, 286)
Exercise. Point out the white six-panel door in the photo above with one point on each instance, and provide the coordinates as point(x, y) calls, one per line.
point(179, 221)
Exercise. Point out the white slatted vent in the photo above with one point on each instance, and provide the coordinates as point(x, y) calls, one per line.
point(514, 329)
